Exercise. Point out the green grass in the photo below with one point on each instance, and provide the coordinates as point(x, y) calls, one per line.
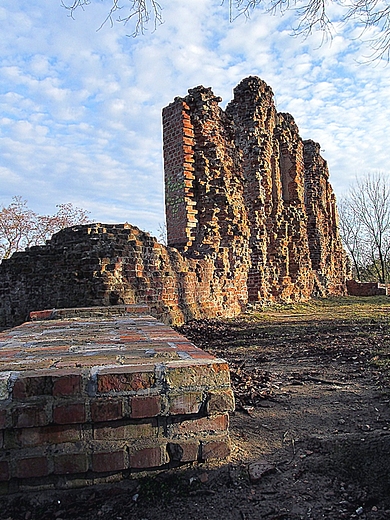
point(337, 308)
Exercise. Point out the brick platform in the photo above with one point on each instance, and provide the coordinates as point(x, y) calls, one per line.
point(91, 395)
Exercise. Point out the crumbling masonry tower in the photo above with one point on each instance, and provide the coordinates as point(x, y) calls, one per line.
point(246, 192)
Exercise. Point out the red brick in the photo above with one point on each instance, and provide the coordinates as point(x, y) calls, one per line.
point(205, 424)
point(131, 338)
point(211, 374)
point(143, 407)
point(69, 413)
point(4, 471)
point(70, 463)
point(215, 450)
point(69, 384)
point(41, 315)
point(200, 355)
point(25, 387)
point(107, 410)
point(183, 451)
point(148, 458)
point(124, 382)
point(109, 461)
point(185, 403)
point(188, 158)
point(48, 435)
point(32, 467)
point(29, 416)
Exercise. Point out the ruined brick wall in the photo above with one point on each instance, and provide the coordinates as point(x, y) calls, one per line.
point(249, 194)
point(366, 288)
point(326, 250)
point(97, 264)
point(251, 216)
point(204, 201)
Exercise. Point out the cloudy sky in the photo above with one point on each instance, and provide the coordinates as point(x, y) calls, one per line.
point(80, 109)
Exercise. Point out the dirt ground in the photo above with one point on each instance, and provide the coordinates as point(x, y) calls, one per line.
point(310, 435)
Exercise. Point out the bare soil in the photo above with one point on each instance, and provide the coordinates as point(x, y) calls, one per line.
point(310, 435)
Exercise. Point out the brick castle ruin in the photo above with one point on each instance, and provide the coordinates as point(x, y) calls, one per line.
point(243, 189)
point(95, 387)
point(251, 217)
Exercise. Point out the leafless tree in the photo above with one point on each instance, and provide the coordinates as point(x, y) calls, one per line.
point(311, 15)
point(365, 227)
point(162, 233)
point(315, 15)
point(350, 229)
point(141, 12)
point(15, 227)
point(20, 227)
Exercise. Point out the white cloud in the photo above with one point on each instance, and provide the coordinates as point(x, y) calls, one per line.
point(81, 108)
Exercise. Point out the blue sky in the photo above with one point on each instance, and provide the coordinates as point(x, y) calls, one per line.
point(80, 109)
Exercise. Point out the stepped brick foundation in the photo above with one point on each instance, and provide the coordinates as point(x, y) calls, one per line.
point(91, 395)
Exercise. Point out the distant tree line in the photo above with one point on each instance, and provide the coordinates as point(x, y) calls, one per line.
point(20, 227)
point(364, 220)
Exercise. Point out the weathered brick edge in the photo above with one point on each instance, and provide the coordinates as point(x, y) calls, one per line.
point(73, 427)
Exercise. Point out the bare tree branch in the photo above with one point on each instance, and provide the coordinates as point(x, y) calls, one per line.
point(350, 231)
point(373, 16)
point(370, 15)
point(141, 12)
